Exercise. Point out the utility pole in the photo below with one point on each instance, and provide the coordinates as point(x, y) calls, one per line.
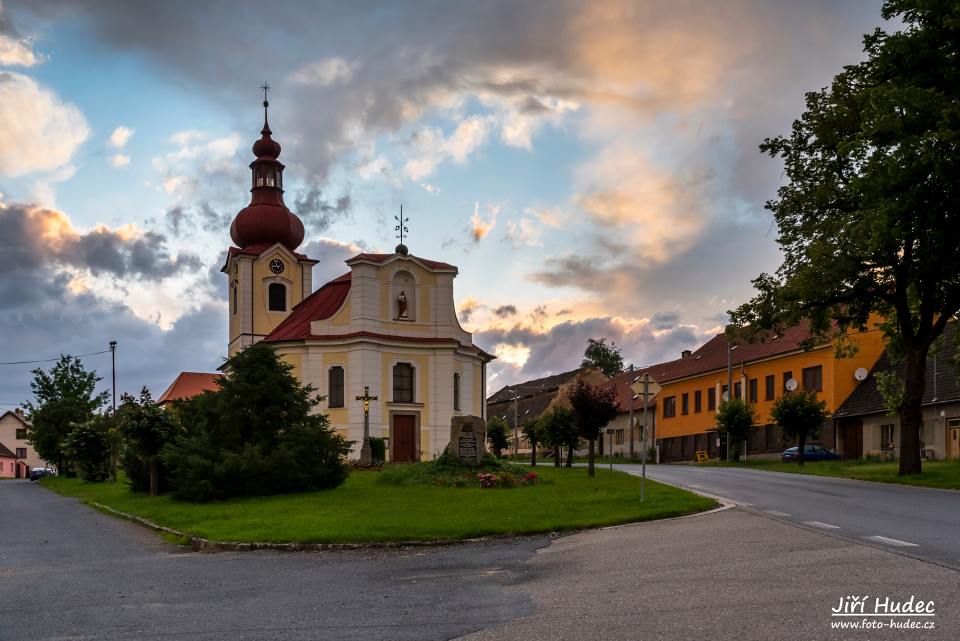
point(516, 427)
point(632, 396)
point(729, 386)
point(113, 359)
point(643, 440)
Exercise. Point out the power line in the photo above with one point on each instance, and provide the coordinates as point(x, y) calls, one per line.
point(50, 360)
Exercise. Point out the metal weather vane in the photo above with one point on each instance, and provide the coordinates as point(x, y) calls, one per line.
point(401, 227)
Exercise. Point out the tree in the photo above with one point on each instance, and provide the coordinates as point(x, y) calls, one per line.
point(63, 397)
point(88, 448)
point(256, 435)
point(800, 415)
point(605, 358)
point(146, 429)
point(498, 435)
point(531, 430)
point(593, 409)
point(868, 222)
point(559, 430)
point(736, 417)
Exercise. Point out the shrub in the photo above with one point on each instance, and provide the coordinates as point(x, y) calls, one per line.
point(378, 450)
point(88, 448)
point(255, 436)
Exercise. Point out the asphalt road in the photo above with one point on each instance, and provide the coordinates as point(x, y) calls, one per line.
point(921, 522)
point(69, 572)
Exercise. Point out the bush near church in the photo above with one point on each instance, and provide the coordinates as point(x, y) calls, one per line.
point(255, 436)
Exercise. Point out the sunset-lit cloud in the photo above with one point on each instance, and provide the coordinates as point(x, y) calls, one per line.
point(481, 226)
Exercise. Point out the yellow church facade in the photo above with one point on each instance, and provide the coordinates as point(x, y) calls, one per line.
point(388, 325)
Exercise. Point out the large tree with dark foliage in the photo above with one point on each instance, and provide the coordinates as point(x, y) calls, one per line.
point(606, 358)
point(498, 435)
point(63, 398)
point(869, 222)
point(593, 408)
point(88, 448)
point(146, 429)
point(257, 435)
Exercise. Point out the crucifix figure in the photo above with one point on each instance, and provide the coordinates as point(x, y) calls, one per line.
point(366, 456)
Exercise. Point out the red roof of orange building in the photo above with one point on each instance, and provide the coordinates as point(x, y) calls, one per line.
point(190, 384)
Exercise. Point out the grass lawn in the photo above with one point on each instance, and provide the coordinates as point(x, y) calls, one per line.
point(362, 510)
point(942, 474)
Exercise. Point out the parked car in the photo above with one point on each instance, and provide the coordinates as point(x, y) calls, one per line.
point(811, 452)
point(38, 473)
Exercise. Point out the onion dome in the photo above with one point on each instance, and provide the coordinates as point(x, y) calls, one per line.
point(266, 220)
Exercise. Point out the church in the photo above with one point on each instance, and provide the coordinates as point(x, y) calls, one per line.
point(387, 325)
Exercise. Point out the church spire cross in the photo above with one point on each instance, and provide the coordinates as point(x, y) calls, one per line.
point(402, 231)
point(266, 103)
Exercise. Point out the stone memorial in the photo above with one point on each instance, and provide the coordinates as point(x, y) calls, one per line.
point(468, 436)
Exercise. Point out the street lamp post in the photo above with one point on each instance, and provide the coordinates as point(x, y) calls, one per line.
point(632, 396)
point(113, 368)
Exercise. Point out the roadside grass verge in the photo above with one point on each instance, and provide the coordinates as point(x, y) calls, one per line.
point(939, 474)
point(362, 510)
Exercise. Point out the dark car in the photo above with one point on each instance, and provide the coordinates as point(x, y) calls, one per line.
point(38, 473)
point(810, 453)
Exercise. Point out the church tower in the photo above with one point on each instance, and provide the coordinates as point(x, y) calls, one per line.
point(266, 276)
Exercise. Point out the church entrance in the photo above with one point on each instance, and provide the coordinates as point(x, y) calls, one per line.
point(403, 442)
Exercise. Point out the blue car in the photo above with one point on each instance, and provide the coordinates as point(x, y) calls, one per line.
point(810, 453)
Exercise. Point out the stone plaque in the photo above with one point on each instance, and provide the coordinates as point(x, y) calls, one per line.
point(468, 435)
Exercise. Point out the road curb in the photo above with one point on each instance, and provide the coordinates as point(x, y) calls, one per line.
point(200, 544)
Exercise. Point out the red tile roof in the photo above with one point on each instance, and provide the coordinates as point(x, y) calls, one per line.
point(624, 395)
point(712, 355)
point(190, 384)
point(319, 305)
point(382, 258)
point(6, 453)
point(15, 415)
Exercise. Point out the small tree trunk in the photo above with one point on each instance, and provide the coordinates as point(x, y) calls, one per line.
point(570, 449)
point(557, 455)
point(911, 412)
point(801, 444)
point(533, 453)
point(154, 477)
point(590, 456)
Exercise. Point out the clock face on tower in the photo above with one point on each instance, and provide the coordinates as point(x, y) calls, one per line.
point(276, 266)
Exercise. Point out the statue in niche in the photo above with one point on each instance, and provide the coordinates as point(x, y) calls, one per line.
point(402, 305)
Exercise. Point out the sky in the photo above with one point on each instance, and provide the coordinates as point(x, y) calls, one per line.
point(592, 168)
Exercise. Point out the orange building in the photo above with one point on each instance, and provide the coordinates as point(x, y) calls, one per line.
point(694, 384)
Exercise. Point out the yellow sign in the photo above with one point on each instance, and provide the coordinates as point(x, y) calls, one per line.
point(702, 456)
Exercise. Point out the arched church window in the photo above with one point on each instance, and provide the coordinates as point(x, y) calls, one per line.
point(335, 396)
point(277, 295)
point(403, 383)
point(456, 392)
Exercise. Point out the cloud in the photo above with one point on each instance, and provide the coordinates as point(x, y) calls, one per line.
point(33, 237)
point(120, 137)
point(119, 160)
point(14, 50)
point(525, 353)
point(522, 232)
point(319, 213)
point(665, 320)
point(40, 131)
point(480, 227)
point(331, 255)
point(324, 73)
point(505, 310)
point(430, 147)
point(468, 307)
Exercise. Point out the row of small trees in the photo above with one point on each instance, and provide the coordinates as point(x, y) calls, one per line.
point(256, 435)
point(799, 414)
point(591, 409)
